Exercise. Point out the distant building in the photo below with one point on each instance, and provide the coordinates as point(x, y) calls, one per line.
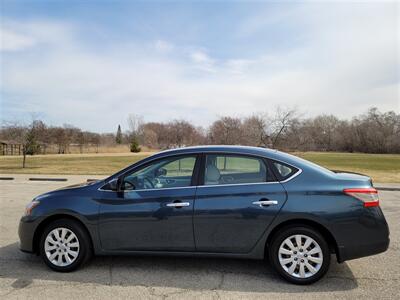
point(10, 148)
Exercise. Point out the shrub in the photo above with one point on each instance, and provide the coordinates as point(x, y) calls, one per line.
point(134, 146)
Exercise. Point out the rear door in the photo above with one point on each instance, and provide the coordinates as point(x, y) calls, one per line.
point(237, 201)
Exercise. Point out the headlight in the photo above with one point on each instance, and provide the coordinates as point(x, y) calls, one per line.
point(30, 207)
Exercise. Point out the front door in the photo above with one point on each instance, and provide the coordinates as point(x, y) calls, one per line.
point(237, 202)
point(155, 209)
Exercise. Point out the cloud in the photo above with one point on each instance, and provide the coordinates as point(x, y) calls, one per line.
point(203, 61)
point(163, 46)
point(13, 41)
point(341, 66)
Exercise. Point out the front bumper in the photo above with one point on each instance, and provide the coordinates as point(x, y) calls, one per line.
point(26, 231)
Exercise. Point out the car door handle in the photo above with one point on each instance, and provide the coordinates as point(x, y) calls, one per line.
point(265, 202)
point(178, 204)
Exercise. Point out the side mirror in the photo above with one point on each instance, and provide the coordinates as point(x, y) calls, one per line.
point(114, 185)
point(119, 184)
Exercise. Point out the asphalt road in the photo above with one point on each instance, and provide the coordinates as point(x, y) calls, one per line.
point(25, 276)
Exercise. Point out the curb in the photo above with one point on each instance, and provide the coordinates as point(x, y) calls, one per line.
point(393, 189)
point(47, 179)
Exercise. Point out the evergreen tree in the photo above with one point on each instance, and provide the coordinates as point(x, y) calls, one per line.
point(134, 146)
point(118, 138)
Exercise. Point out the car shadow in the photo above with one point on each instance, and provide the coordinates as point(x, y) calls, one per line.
point(171, 272)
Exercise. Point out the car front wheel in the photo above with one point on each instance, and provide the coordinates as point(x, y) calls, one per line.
point(299, 254)
point(64, 245)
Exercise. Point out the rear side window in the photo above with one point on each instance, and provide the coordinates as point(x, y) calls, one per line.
point(234, 169)
point(283, 171)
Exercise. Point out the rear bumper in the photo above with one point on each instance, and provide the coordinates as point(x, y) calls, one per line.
point(347, 253)
point(367, 236)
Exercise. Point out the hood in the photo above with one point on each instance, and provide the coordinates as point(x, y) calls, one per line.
point(79, 185)
point(71, 190)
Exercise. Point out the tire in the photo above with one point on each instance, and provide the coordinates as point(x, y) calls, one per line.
point(65, 245)
point(299, 267)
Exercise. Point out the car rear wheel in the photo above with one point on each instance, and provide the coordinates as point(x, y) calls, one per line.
point(64, 245)
point(299, 254)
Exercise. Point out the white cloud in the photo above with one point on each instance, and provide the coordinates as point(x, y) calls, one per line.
point(201, 57)
point(18, 36)
point(12, 41)
point(342, 67)
point(203, 61)
point(163, 46)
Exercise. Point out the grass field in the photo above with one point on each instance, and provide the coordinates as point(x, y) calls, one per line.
point(69, 164)
point(381, 167)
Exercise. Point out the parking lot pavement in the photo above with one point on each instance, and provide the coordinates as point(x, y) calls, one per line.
point(24, 275)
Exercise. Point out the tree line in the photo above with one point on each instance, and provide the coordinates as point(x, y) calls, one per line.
point(285, 129)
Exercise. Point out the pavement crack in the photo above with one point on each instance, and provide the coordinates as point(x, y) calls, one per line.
point(220, 283)
point(6, 259)
point(218, 296)
point(111, 271)
point(362, 278)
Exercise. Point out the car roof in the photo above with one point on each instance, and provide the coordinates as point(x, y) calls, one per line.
point(246, 150)
point(232, 149)
point(219, 148)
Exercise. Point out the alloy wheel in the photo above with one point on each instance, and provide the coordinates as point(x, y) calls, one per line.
point(300, 256)
point(61, 247)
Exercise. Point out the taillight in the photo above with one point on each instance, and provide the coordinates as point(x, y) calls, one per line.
point(369, 196)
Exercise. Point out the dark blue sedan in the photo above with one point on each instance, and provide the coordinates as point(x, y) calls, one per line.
point(229, 201)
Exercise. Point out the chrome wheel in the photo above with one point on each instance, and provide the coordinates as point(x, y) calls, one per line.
point(61, 247)
point(300, 256)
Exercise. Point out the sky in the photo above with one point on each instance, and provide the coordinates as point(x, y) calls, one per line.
point(92, 63)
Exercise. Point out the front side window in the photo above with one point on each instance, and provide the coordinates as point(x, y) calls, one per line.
point(234, 169)
point(164, 173)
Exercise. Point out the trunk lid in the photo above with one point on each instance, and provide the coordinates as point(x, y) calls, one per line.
point(353, 177)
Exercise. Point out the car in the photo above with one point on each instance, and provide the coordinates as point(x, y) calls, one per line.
point(213, 201)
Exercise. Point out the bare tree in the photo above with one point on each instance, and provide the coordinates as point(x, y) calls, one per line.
point(181, 133)
point(377, 132)
point(150, 138)
point(24, 135)
point(80, 139)
point(226, 130)
point(282, 120)
point(154, 134)
point(323, 131)
point(135, 123)
point(172, 134)
point(372, 132)
point(255, 130)
point(57, 136)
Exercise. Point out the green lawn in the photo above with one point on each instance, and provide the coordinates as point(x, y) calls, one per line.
point(68, 164)
point(381, 167)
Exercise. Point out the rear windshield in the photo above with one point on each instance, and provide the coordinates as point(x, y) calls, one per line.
point(315, 166)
